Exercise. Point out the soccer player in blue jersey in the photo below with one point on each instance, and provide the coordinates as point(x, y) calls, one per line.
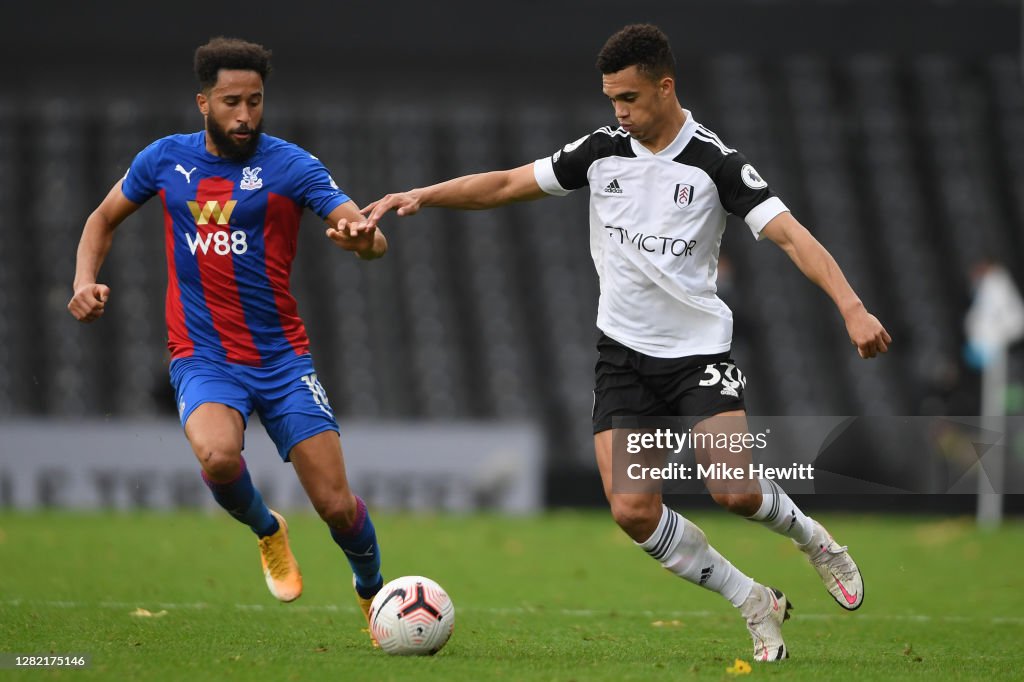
point(232, 198)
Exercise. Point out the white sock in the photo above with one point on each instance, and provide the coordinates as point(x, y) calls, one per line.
point(757, 603)
point(779, 513)
point(682, 548)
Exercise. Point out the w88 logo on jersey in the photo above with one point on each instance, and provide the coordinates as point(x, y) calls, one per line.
point(220, 243)
point(724, 374)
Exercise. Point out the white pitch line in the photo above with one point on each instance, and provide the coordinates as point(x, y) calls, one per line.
point(512, 610)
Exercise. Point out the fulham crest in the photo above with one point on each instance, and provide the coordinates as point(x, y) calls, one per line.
point(683, 195)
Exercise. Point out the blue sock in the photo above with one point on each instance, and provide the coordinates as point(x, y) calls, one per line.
point(359, 542)
point(241, 499)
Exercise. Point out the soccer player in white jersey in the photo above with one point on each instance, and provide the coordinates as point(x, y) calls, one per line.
point(661, 186)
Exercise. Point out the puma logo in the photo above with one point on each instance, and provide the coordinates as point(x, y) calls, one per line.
point(368, 553)
point(188, 175)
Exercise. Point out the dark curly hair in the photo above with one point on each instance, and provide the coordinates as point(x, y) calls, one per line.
point(642, 45)
point(229, 53)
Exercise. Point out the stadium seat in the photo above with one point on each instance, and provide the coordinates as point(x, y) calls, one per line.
point(909, 170)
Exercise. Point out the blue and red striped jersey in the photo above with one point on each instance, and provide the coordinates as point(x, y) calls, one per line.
point(231, 230)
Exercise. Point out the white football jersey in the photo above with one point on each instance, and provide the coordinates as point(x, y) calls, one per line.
point(656, 225)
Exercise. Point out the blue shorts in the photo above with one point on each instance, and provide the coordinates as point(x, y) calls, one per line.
point(287, 395)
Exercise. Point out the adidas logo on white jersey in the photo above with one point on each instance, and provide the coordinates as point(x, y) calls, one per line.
point(613, 187)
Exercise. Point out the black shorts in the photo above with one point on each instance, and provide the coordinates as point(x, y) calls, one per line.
point(631, 384)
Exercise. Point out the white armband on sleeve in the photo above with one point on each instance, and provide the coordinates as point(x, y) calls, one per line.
point(544, 172)
point(762, 214)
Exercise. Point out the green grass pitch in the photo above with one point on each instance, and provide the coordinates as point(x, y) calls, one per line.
point(562, 596)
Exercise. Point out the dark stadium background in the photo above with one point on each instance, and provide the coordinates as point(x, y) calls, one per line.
point(895, 130)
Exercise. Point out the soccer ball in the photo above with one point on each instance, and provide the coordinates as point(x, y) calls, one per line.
point(412, 616)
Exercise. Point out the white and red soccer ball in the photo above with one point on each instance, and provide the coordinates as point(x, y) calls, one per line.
point(412, 616)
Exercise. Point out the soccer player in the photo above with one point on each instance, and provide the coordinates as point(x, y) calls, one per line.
point(232, 199)
point(660, 187)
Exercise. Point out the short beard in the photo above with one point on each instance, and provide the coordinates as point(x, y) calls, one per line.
point(228, 147)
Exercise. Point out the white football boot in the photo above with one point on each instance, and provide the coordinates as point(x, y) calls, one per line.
point(765, 610)
point(837, 569)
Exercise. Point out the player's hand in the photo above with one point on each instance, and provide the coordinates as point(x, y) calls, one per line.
point(355, 236)
point(867, 334)
point(89, 302)
point(403, 203)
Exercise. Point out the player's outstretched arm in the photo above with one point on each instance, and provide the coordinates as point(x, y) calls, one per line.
point(818, 265)
point(469, 192)
point(347, 229)
point(90, 298)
